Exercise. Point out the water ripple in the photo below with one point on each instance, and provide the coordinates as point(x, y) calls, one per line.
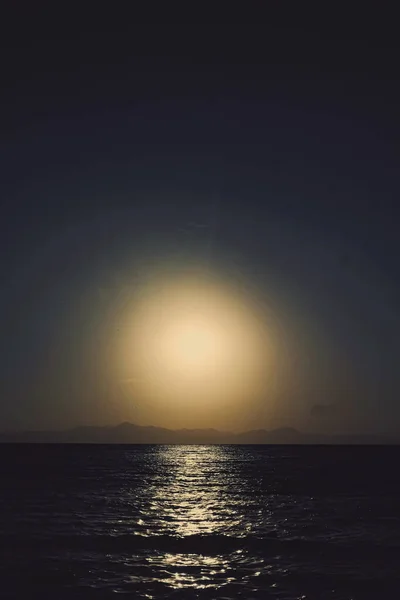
point(199, 522)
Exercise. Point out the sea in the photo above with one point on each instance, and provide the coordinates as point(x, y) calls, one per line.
point(198, 521)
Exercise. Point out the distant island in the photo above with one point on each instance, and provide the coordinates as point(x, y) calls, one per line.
point(129, 433)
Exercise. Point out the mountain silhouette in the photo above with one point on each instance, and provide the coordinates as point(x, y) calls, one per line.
point(129, 433)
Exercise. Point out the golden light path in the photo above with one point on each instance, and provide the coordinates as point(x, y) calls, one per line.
point(194, 346)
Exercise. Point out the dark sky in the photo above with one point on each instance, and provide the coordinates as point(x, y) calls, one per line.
point(282, 142)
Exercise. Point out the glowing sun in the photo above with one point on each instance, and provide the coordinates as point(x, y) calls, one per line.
point(194, 340)
point(193, 344)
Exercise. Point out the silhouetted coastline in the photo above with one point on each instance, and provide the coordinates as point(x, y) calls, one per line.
point(129, 433)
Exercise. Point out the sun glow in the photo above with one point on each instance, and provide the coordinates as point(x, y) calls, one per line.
point(194, 345)
point(193, 341)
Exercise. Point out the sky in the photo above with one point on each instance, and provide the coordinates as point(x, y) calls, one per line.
point(261, 157)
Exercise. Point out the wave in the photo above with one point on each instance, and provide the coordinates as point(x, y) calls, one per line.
point(200, 544)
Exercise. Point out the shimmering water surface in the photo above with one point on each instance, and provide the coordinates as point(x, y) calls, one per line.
point(200, 522)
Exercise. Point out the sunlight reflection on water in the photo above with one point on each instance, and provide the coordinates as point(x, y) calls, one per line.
point(200, 495)
point(193, 503)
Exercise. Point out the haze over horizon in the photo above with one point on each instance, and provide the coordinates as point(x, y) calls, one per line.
point(130, 433)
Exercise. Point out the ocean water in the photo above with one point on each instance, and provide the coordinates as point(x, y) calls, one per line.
point(211, 522)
